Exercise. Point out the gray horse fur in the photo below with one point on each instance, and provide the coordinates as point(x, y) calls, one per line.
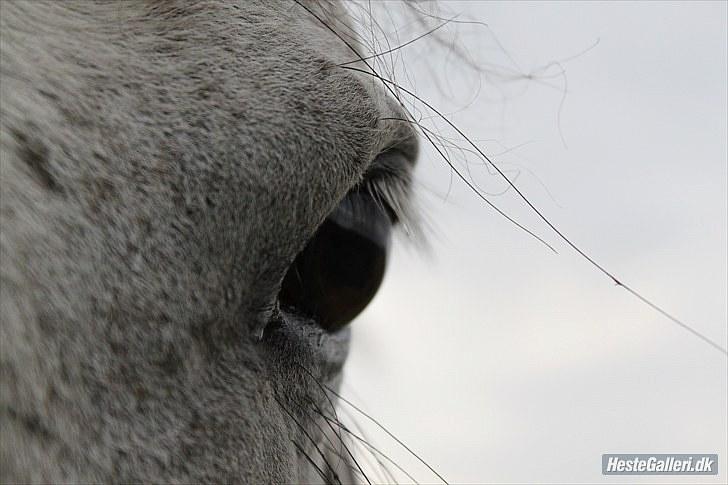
point(162, 163)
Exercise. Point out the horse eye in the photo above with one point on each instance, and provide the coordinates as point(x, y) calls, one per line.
point(338, 272)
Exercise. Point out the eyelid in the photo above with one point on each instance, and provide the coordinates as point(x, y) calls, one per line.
point(388, 182)
point(392, 162)
point(407, 144)
point(361, 214)
point(401, 131)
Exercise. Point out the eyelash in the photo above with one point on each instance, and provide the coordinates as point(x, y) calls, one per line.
point(390, 188)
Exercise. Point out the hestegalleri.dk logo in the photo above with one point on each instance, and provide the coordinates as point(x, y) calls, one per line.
point(660, 464)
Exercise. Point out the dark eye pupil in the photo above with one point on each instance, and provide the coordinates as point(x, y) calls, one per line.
point(337, 274)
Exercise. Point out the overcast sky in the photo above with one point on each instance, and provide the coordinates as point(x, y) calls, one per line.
point(500, 361)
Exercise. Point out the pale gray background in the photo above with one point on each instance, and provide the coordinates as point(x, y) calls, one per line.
point(501, 362)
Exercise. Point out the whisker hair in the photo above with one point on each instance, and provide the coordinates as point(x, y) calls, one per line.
point(551, 225)
point(310, 460)
point(373, 448)
point(308, 435)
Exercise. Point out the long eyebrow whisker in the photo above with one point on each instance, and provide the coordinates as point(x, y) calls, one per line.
point(400, 46)
point(553, 227)
point(392, 87)
point(479, 194)
point(447, 143)
point(395, 88)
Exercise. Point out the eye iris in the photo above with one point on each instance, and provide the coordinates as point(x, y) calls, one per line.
point(337, 274)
